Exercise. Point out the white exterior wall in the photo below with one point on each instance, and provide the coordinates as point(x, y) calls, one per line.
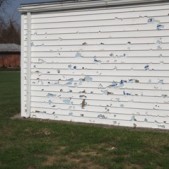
point(107, 66)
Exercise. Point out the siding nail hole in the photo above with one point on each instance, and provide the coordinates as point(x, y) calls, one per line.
point(114, 122)
point(36, 111)
point(146, 67)
point(84, 43)
point(111, 55)
point(109, 93)
point(96, 60)
point(70, 114)
point(164, 95)
point(83, 91)
point(70, 66)
point(145, 120)
point(82, 96)
point(134, 125)
point(101, 116)
point(150, 20)
point(126, 94)
point(160, 27)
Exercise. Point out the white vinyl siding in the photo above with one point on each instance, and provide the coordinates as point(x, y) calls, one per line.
point(106, 66)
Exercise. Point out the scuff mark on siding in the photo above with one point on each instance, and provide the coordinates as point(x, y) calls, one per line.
point(67, 101)
point(78, 55)
point(96, 60)
point(160, 27)
point(83, 104)
point(51, 95)
point(101, 116)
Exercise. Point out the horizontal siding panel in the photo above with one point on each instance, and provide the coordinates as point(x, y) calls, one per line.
point(98, 103)
point(100, 48)
point(99, 78)
point(107, 16)
point(96, 120)
point(132, 79)
point(100, 66)
point(102, 55)
point(105, 72)
point(97, 20)
point(101, 60)
point(140, 21)
point(37, 95)
point(110, 41)
point(99, 29)
point(102, 35)
point(139, 92)
point(113, 116)
point(80, 83)
point(102, 109)
point(146, 10)
point(117, 111)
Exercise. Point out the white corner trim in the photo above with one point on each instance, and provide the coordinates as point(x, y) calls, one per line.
point(29, 65)
point(23, 111)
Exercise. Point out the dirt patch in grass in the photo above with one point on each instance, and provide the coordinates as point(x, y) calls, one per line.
point(82, 159)
point(31, 167)
point(17, 116)
point(43, 131)
point(50, 160)
point(6, 131)
point(90, 153)
point(133, 166)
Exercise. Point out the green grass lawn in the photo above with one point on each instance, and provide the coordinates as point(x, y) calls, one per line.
point(33, 144)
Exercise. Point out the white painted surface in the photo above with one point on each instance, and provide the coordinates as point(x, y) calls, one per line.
point(23, 71)
point(98, 66)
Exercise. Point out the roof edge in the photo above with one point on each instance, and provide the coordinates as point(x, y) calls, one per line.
point(82, 4)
